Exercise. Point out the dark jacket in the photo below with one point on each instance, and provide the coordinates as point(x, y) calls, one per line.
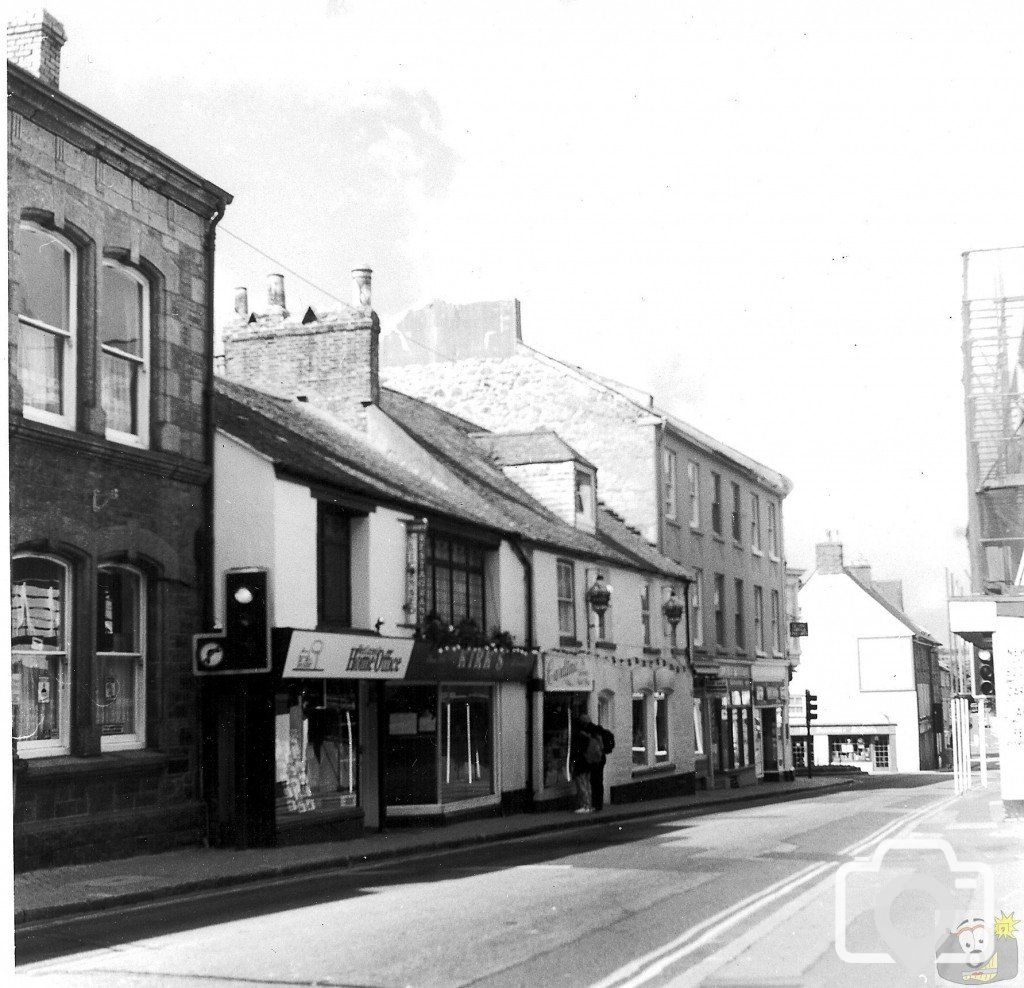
point(580, 738)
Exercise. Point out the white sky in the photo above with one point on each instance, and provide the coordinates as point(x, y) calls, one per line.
point(756, 210)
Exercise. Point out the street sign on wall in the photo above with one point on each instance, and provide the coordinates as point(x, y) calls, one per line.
point(797, 629)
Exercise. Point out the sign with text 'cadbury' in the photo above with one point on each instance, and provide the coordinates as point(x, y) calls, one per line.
point(323, 655)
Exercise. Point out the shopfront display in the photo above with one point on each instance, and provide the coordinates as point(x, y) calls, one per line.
point(735, 727)
point(568, 683)
point(316, 748)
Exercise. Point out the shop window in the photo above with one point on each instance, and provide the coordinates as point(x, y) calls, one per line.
point(605, 711)
point(334, 567)
point(412, 744)
point(561, 712)
point(645, 611)
point(735, 733)
point(466, 753)
point(661, 749)
point(566, 598)
point(40, 614)
point(882, 754)
point(124, 344)
point(47, 325)
point(639, 728)
point(455, 572)
point(799, 752)
point(120, 697)
point(316, 746)
point(698, 726)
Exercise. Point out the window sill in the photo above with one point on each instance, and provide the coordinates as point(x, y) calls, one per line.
point(718, 538)
point(649, 650)
point(672, 520)
point(679, 653)
point(606, 646)
point(696, 530)
point(737, 544)
point(646, 770)
point(756, 552)
point(761, 654)
point(109, 763)
point(567, 641)
point(773, 558)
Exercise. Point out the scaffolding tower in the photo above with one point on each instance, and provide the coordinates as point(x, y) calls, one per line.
point(993, 351)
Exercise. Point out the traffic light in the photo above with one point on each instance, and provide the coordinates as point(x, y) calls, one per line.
point(246, 622)
point(984, 672)
point(812, 705)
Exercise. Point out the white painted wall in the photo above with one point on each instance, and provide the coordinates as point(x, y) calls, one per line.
point(509, 601)
point(512, 735)
point(383, 593)
point(243, 514)
point(294, 574)
point(842, 619)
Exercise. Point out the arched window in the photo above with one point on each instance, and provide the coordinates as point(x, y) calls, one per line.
point(124, 340)
point(47, 317)
point(119, 686)
point(40, 617)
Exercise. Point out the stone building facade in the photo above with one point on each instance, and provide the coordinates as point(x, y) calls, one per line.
point(110, 374)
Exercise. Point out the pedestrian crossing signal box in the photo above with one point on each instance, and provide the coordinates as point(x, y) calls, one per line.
point(244, 645)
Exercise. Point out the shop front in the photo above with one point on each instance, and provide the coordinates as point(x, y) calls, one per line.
point(731, 710)
point(771, 729)
point(569, 684)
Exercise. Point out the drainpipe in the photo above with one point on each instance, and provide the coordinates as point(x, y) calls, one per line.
point(527, 564)
point(207, 577)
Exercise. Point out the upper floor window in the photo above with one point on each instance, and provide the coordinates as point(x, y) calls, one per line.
point(716, 503)
point(124, 342)
point(755, 523)
point(741, 631)
point(736, 509)
point(719, 604)
point(759, 619)
point(47, 325)
point(455, 581)
point(334, 567)
point(120, 657)
point(773, 533)
point(566, 598)
point(40, 613)
point(697, 607)
point(693, 475)
point(584, 496)
point(669, 470)
point(645, 611)
point(776, 619)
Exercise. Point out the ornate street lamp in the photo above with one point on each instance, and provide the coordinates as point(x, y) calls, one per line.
point(599, 596)
point(673, 609)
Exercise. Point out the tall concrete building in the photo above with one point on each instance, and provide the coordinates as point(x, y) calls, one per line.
point(702, 503)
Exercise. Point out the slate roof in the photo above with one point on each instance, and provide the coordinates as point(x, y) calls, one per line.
point(464, 484)
point(540, 446)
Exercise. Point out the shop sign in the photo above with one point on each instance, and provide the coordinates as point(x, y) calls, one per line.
point(715, 686)
point(465, 664)
point(568, 672)
point(322, 655)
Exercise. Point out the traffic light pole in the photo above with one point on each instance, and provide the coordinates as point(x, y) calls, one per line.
point(810, 740)
point(982, 744)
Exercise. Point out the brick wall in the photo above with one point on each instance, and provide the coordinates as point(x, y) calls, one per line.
point(34, 42)
point(333, 363)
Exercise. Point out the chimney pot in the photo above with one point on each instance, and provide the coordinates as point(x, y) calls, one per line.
point(275, 295)
point(242, 303)
point(362, 297)
point(34, 42)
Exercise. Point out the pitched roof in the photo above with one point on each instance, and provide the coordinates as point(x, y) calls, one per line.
point(454, 443)
point(540, 446)
point(892, 608)
point(464, 485)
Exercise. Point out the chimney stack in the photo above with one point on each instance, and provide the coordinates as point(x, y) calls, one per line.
point(829, 558)
point(275, 296)
point(242, 303)
point(361, 295)
point(34, 42)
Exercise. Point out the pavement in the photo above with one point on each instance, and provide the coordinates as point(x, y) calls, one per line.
point(82, 888)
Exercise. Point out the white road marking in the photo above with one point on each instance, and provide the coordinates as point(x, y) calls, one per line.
point(643, 969)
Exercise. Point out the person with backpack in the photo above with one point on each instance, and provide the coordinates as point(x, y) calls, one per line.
point(600, 743)
point(582, 751)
